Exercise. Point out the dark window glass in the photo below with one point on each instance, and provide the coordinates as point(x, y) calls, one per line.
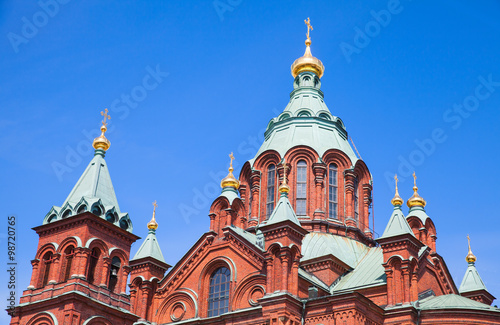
point(218, 296)
point(68, 260)
point(332, 192)
point(301, 188)
point(47, 262)
point(94, 257)
point(356, 201)
point(271, 180)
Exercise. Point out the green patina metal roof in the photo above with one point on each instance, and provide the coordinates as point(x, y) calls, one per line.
point(397, 224)
point(419, 212)
point(93, 192)
point(453, 301)
point(150, 248)
point(283, 212)
point(229, 193)
point(306, 121)
point(471, 281)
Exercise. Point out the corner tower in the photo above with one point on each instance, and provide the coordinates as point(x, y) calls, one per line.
point(331, 186)
point(81, 265)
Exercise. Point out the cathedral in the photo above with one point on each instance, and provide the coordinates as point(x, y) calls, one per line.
point(289, 243)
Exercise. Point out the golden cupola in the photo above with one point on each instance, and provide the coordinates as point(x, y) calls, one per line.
point(101, 142)
point(307, 62)
point(230, 180)
point(153, 225)
point(415, 200)
point(397, 200)
point(284, 188)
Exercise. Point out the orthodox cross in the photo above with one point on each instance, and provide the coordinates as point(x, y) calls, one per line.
point(232, 158)
point(309, 27)
point(414, 179)
point(154, 208)
point(285, 168)
point(468, 239)
point(396, 180)
point(106, 116)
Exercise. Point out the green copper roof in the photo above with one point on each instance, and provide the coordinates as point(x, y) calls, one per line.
point(283, 212)
point(471, 281)
point(306, 121)
point(397, 224)
point(229, 193)
point(418, 212)
point(93, 192)
point(453, 301)
point(150, 248)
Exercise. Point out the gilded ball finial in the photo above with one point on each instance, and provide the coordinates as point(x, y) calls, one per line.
point(101, 142)
point(470, 258)
point(415, 200)
point(284, 188)
point(230, 180)
point(397, 200)
point(153, 225)
point(308, 62)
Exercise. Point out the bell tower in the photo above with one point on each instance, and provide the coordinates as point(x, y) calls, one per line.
point(81, 265)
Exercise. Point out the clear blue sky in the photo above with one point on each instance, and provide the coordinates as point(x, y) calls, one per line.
point(218, 72)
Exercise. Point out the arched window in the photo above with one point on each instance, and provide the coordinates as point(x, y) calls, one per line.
point(300, 202)
point(69, 252)
point(113, 273)
point(356, 201)
point(218, 296)
point(332, 192)
point(94, 257)
point(271, 180)
point(47, 261)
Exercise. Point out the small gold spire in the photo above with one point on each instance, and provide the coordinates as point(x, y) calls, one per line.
point(415, 200)
point(153, 225)
point(101, 142)
point(230, 180)
point(470, 258)
point(397, 200)
point(308, 62)
point(284, 188)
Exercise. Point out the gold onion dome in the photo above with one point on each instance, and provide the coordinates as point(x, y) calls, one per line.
point(397, 200)
point(308, 62)
point(230, 180)
point(470, 258)
point(101, 142)
point(153, 225)
point(415, 200)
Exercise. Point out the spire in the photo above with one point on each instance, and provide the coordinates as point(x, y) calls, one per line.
point(101, 144)
point(284, 188)
point(471, 281)
point(415, 200)
point(307, 62)
point(150, 246)
point(397, 224)
point(230, 180)
point(94, 190)
point(397, 200)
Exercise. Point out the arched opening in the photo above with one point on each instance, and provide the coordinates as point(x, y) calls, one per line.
point(46, 263)
point(218, 294)
point(271, 185)
point(356, 200)
point(82, 209)
point(69, 253)
point(124, 223)
point(113, 273)
point(300, 201)
point(332, 191)
point(93, 259)
point(96, 210)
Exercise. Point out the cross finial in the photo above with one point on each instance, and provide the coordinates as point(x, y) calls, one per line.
point(106, 117)
point(154, 208)
point(468, 240)
point(414, 179)
point(309, 27)
point(285, 169)
point(232, 158)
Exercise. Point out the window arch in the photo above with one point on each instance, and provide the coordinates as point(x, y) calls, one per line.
point(218, 295)
point(300, 202)
point(356, 200)
point(93, 259)
point(271, 186)
point(333, 191)
point(69, 253)
point(113, 273)
point(47, 261)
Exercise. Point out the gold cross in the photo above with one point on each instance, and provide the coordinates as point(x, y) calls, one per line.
point(154, 207)
point(106, 116)
point(414, 179)
point(396, 179)
point(309, 27)
point(285, 168)
point(232, 158)
point(468, 239)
